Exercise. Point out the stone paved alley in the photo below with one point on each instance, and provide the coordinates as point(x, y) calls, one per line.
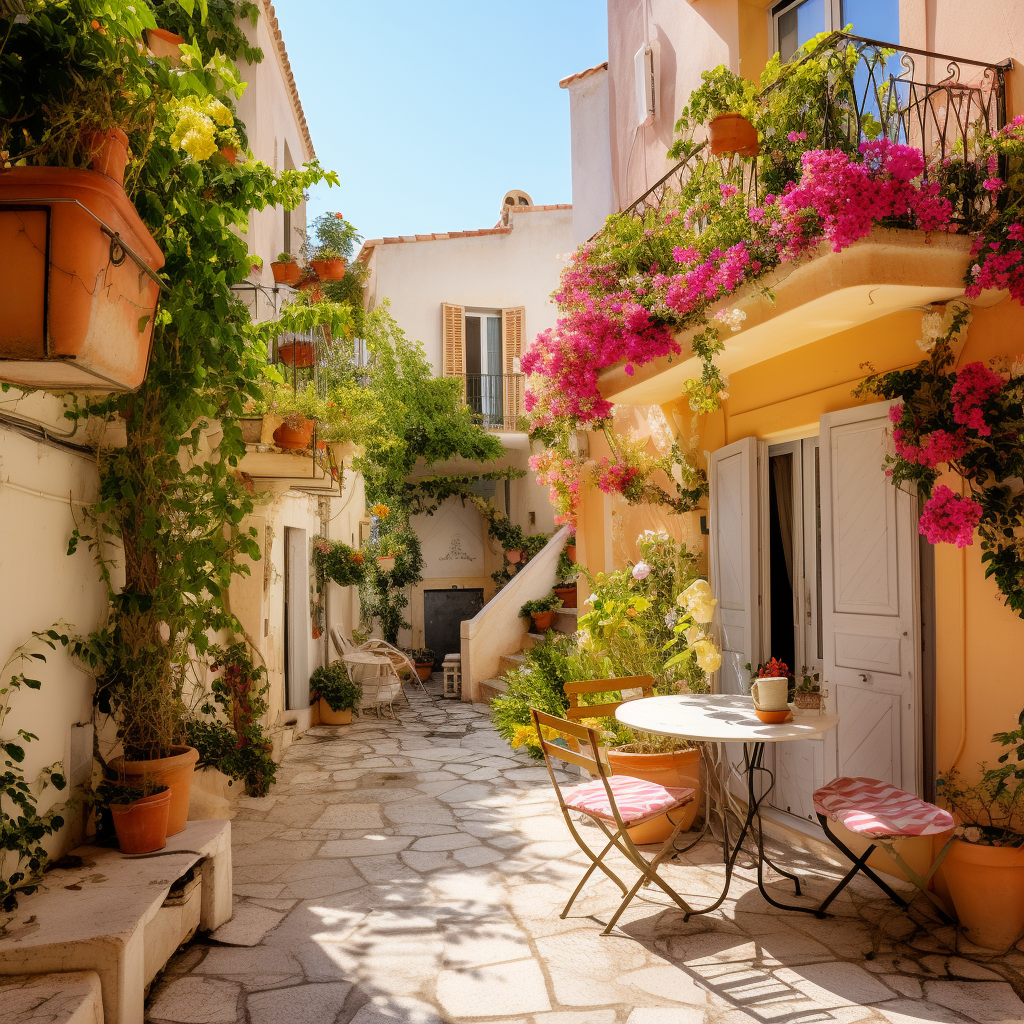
point(414, 871)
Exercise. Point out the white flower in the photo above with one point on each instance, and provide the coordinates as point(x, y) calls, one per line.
point(926, 344)
point(732, 318)
point(641, 571)
point(709, 657)
point(165, 632)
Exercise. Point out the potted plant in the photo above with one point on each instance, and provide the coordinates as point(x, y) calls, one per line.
point(542, 611)
point(570, 549)
point(296, 351)
point(423, 658)
point(162, 43)
point(108, 151)
point(336, 693)
point(300, 409)
point(983, 872)
point(733, 133)
point(514, 555)
point(334, 244)
point(808, 695)
point(328, 264)
point(140, 815)
point(286, 270)
point(565, 588)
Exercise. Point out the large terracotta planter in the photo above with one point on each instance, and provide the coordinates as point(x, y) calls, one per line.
point(174, 772)
point(567, 595)
point(289, 273)
point(329, 270)
point(72, 298)
point(329, 717)
point(109, 152)
point(733, 133)
point(542, 620)
point(141, 826)
point(294, 438)
point(297, 353)
point(424, 670)
point(679, 769)
point(986, 887)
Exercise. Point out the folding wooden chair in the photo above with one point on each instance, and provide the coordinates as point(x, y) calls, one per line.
point(883, 814)
point(576, 711)
point(610, 800)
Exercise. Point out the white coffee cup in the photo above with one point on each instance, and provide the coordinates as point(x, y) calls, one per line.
point(770, 693)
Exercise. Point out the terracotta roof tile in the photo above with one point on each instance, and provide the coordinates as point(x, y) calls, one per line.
point(565, 82)
point(435, 236)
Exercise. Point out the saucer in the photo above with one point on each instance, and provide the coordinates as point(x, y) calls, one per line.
point(773, 717)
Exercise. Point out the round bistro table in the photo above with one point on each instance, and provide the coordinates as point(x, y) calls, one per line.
point(726, 718)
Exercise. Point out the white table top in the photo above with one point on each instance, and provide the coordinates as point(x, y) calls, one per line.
point(718, 718)
point(365, 658)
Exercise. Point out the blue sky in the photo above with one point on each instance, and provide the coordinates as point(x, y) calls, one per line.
point(431, 110)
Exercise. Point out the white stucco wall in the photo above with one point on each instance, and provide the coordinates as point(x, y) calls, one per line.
point(519, 267)
point(593, 188)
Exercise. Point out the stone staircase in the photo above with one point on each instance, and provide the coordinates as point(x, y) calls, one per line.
point(564, 622)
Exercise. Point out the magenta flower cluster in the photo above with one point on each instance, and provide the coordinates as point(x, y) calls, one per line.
point(949, 518)
point(615, 477)
point(609, 320)
point(975, 385)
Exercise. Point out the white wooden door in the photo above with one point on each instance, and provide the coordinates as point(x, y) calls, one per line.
point(297, 627)
point(735, 558)
point(870, 600)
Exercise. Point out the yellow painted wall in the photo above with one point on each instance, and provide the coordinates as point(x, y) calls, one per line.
point(785, 396)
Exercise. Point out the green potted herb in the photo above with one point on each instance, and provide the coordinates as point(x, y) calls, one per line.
point(808, 695)
point(298, 408)
point(286, 270)
point(335, 243)
point(565, 588)
point(336, 693)
point(542, 611)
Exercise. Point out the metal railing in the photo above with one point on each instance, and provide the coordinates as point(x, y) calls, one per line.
point(495, 399)
point(933, 102)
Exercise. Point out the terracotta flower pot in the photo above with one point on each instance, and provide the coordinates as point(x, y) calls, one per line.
point(162, 43)
point(986, 887)
point(230, 154)
point(297, 353)
point(109, 151)
point(141, 826)
point(733, 133)
point(329, 717)
point(679, 769)
point(424, 670)
point(570, 552)
point(329, 270)
point(514, 556)
point(294, 438)
point(289, 273)
point(174, 772)
point(542, 620)
point(54, 332)
point(568, 596)
point(386, 563)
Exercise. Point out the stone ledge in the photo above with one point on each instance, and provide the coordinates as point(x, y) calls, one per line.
point(71, 998)
point(108, 915)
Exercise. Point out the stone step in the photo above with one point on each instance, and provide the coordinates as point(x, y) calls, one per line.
point(511, 661)
point(490, 688)
point(66, 998)
point(531, 640)
point(566, 620)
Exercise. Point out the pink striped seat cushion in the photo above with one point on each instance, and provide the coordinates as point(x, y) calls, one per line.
point(879, 810)
point(636, 800)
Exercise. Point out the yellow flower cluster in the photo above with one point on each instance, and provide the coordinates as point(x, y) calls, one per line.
point(381, 511)
point(195, 130)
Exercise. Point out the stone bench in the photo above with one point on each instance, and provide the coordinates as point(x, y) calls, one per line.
point(119, 917)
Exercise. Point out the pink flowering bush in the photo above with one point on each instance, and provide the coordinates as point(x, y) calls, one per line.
point(949, 518)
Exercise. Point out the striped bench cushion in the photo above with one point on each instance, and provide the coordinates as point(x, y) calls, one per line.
point(636, 800)
point(879, 810)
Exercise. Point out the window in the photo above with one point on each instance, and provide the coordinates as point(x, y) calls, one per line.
point(484, 369)
point(794, 22)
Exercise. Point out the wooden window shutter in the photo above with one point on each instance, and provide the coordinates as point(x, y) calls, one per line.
point(512, 320)
point(453, 339)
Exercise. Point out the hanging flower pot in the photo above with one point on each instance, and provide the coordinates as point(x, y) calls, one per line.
point(386, 563)
point(286, 272)
point(230, 154)
point(329, 270)
point(297, 353)
point(141, 825)
point(733, 133)
point(77, 294)
point(162, 43)
point(109, 152)
point(294, 435)
point(514, 556)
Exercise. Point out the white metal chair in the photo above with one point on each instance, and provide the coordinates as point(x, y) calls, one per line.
point(375, 645)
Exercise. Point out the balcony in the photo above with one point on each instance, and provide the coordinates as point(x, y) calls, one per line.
point(495, 399)
point(932, 102)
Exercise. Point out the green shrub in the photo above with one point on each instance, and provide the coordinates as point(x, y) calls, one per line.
point(332, 683)
point(544, 604)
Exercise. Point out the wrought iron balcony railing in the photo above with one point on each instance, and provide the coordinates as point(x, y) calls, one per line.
point(495, 399)
point(934, 102)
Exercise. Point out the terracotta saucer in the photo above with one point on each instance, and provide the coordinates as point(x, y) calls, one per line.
point(773, 717)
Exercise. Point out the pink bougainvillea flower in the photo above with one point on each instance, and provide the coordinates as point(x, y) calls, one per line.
point(949, 518)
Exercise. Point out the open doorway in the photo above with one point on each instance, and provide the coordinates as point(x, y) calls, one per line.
point(296, 619)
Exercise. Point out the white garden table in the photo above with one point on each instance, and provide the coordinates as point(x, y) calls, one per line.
point(725, 718)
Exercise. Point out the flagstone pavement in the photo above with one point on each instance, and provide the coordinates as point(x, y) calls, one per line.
point(414, 871)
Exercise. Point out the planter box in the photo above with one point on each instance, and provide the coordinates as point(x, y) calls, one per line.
point(78, 305)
